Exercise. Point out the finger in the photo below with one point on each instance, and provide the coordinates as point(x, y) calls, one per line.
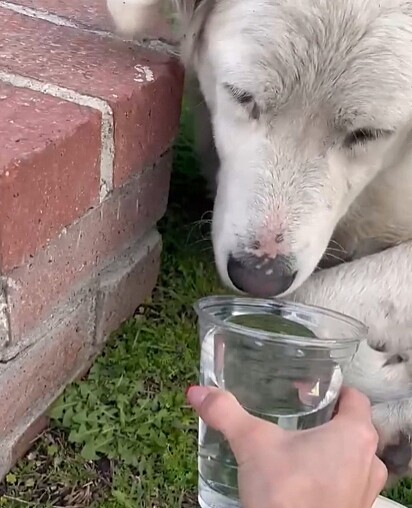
point(377, 481)
point(354, 405)
point(305, 392)
point(220, 410)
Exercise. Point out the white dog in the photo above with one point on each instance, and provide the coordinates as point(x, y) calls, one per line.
point(311, 107)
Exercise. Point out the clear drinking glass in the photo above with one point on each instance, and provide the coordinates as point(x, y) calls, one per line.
point(283, 361)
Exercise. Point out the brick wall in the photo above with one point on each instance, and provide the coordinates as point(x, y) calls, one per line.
point(86, 123)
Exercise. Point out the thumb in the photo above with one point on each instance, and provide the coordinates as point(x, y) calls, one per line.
point(221, 411)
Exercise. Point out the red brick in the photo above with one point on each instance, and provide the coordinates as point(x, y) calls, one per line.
point(48, 175)
point(66, 351)
point(88, 13)
point(42, 370)
point(143, 87)
point(34, 289)
point(126, 283)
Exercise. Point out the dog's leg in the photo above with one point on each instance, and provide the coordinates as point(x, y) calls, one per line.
point(377, 290)
point(140, 18)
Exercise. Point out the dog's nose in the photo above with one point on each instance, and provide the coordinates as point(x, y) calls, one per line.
point(261, 276)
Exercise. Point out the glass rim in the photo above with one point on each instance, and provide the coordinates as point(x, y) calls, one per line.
point(202, 304)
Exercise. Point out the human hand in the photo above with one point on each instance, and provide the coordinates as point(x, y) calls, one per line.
point(331, 465)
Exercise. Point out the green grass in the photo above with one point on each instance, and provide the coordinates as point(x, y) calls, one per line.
point(123, 437)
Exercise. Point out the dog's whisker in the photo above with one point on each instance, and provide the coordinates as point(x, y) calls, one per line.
point(201, 222)
point(198, 241)
point(208, 212)
point(201, 240)
point(337, 258)
point(337, 245)
point(334, 249)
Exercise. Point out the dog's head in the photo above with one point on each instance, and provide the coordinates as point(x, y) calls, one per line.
point(309, 100)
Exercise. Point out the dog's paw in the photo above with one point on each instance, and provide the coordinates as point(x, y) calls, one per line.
point(378, 343)
point(139, 18)
point(394, 449)
point(391, 340)
point(396, 360)
point(383, 341)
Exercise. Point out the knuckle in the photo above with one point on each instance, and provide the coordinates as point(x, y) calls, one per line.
point(368, 438)
point(356, 400)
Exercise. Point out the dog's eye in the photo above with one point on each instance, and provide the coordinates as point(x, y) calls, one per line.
point(244, 98)
point(240, 96)
point(362, 136)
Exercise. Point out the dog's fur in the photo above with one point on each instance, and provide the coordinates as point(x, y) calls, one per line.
point(311, 107)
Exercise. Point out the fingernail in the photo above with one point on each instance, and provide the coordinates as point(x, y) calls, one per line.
point(195, 395)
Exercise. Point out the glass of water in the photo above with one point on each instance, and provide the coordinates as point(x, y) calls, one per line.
point(284, 362)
